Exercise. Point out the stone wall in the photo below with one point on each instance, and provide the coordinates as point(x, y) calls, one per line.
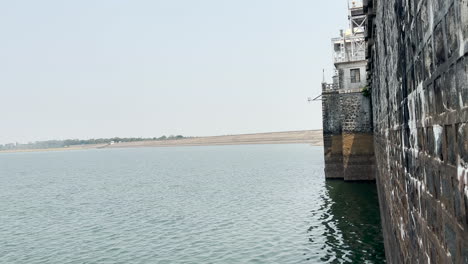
point(356, 115)
point(418, 68)
point(332, 138)
point(348, 139)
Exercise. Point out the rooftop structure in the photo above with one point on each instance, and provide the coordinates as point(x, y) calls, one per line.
point(351, 45)
point(346, 109)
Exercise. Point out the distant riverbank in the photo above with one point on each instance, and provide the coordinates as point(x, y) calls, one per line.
point(312, 137)
point(75, 147)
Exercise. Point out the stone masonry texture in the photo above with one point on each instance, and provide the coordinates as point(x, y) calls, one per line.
point(418, 73)
point(332, 141)
point(348, 139)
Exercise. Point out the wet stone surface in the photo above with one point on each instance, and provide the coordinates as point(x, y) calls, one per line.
point(421, 98)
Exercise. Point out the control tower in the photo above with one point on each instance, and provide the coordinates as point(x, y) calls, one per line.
point(346, 105)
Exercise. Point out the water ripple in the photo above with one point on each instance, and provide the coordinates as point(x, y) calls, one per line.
point(235, 204)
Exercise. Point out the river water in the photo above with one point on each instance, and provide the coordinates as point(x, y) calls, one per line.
point(217, 204)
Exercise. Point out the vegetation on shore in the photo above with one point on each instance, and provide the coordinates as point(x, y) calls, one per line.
point(75, 142)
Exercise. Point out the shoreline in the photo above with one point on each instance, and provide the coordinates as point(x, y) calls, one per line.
point(312, 137)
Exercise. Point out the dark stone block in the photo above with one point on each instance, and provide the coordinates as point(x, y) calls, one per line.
point(437, 191)
point(398, 135)
point(450, 240)
point(419, 164)
point(439, 45)
point(464, 257)
point(433, 214)
point(406, 136)
point(424, 16)
point(462, 81)
point(430, 141)
point(418, 70)
point(458, 203)
point(411, 163)
point(450, 139)
point(464, 18)
point(418, 28)
point(409, 52)
point(462, 136)
point(465, 200)
point(418, 108)
point(413, 234)
point(404, 87)
point(432, 180)
point(400, 114)
point(428, 60)
point(438, 4)
point(421, 136)
point(438, 138)
point(433, 253)
point(450, 93)
point(430, 99)
point(410, 80)
point(424, 103)
point(423, 206)
point(451, 29)
point(405, 114)
point(438, 98)
point(447, 190)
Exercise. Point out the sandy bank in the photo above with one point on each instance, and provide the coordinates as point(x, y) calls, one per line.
point(312, 137)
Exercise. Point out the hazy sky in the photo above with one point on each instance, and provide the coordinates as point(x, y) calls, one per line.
point(144, 68)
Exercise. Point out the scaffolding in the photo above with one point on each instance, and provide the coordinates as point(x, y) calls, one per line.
point(351, 45)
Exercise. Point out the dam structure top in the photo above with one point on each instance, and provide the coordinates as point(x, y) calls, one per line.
point(346, 108)
point(350, 45)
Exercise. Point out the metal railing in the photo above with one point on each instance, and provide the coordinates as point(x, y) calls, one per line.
point(343, 57)
point(330, 87)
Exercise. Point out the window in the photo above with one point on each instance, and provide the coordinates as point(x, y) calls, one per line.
point(355, 75)
point(337, 47)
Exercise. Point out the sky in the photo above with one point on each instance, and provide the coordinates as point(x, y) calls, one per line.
point(146, 68)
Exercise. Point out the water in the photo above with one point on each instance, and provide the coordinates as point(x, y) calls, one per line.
point(220, 204)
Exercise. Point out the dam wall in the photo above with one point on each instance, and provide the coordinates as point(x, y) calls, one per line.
point(346, 106)
point(417, 71)
point(347, 134)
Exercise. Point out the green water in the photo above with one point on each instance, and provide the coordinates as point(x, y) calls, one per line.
point(223, 204)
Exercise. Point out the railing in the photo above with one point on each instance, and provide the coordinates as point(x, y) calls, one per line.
point(349, 48)
point(330, 87)
point(341, 57)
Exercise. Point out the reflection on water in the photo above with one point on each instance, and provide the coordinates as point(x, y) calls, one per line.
point(350, 221)
point(226, 204)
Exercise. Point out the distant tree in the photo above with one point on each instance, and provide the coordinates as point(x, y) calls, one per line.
point(70, 142)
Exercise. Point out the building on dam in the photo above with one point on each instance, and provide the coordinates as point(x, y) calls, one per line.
point(346, 105)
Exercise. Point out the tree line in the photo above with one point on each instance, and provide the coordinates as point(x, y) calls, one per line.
point(73, 142)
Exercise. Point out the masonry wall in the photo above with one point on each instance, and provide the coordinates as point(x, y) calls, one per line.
point(418, 68)
point(348, 139)
point(332, 137)
point(357, 137)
